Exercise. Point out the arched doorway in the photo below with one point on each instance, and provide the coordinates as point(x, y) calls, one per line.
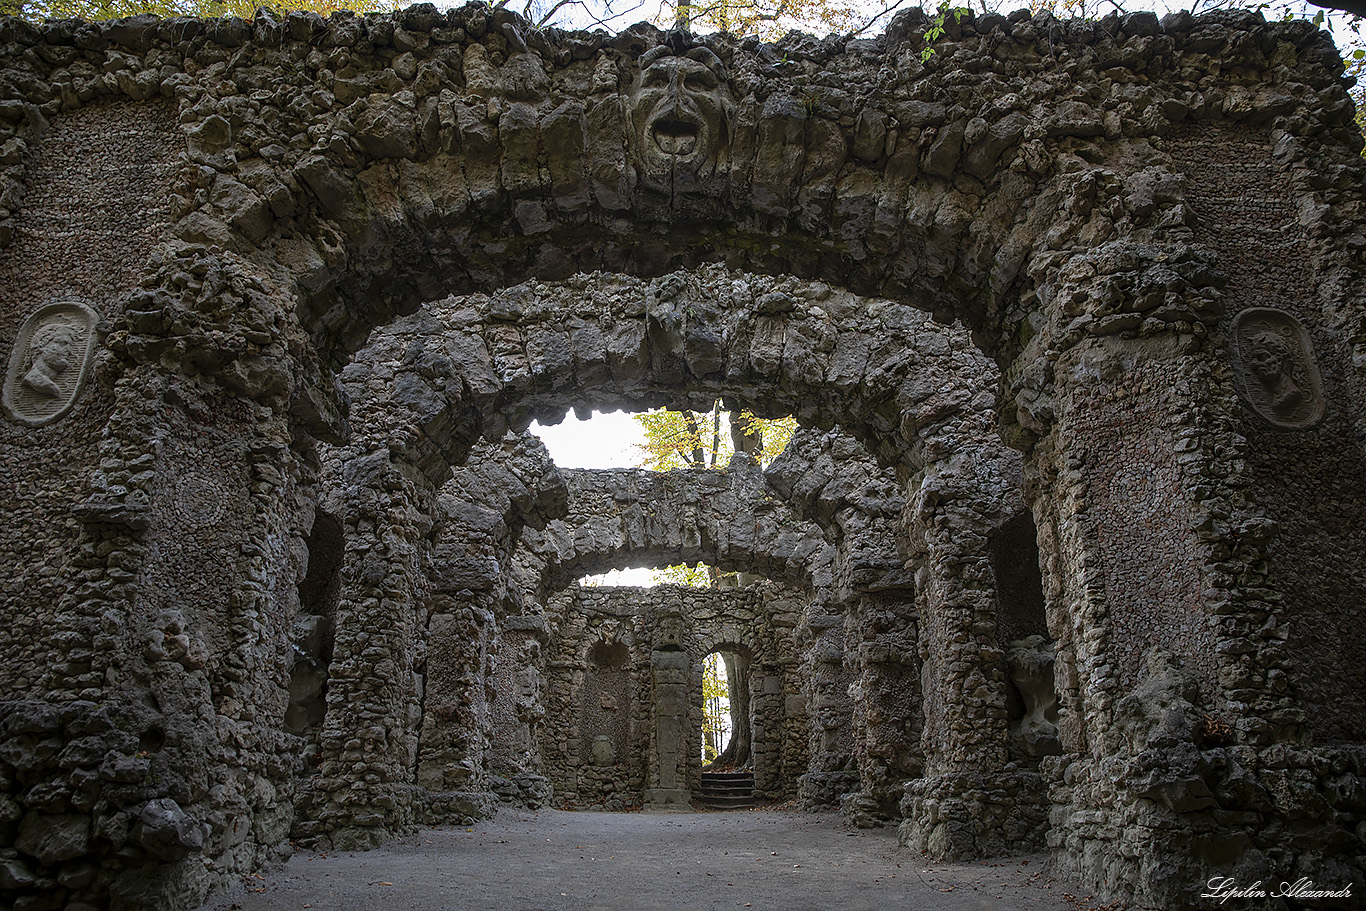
point(728, 761)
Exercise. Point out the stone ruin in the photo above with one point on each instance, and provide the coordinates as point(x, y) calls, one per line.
point(1068, 555)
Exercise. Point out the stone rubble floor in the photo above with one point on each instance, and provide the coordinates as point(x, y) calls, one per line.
point(763, 859)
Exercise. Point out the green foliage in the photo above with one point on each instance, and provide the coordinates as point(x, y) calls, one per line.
point(92, 10)
point(767, 19)
point(680, 439)
point(692, 439)
point(938, 25)
point(698, 576)
point(775, 434)
point(1356, 68)
point(702, 439)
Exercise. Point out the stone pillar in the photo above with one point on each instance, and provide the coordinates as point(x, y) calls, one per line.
point(1186, 753)
point(669, 760)
point(172, 604)
point(831, 771)
point(971, 801)
point(518, 709)
point(884, 663)
point(1159, 593)
point(368, 743)
point(454, 739)
point(768, 711)
point(173, 669)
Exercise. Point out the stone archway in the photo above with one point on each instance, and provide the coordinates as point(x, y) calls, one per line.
point(409, 377)
point(1067, 190)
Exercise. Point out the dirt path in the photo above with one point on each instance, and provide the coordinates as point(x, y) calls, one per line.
point(766, 860)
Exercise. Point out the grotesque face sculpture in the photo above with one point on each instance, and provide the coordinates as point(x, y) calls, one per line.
point(681, 108)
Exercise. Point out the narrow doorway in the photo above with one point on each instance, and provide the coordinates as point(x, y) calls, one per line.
point(727, 756)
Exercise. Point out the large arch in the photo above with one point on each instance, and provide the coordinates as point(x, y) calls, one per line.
point(1181, 366)
point(726, 519)
point(418, 373)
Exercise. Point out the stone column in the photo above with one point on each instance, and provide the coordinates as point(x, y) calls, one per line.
point(831, 772)
point(766, 682)
point(173, 669)
point(884, 663)
point(669, 688)
point(455, 730)
point(1185, 752)
point(971, 801)
point(369, 737)
point(518, 709)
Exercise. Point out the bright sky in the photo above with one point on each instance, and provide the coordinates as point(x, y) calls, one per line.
point(603, 441)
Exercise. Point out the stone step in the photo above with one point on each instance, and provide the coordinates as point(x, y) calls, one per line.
point(727, 790)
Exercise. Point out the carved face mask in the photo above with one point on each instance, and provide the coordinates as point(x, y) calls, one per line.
point(680, 113)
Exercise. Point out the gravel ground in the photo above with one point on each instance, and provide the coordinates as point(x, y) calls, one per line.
point(552, 860)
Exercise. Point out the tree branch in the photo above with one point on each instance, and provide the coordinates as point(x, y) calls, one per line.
point(1353, 7)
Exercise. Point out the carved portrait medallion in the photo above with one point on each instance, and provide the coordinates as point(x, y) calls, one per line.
point(1274, 368)
point(50, 361)
point(681, 109)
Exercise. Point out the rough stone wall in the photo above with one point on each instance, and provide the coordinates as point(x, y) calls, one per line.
point(613, 516)
point(833, 771)
point(584, 704)
point(153, 686)
point(483, 510)
point(461, 366)
point(833, 481)
point(726, 518)
point(1138, 399)
point(96, 204)
point(737, 520)
point(1310, 483)
point(417, 628)
point(517, 710)
point(1021, 179)
point(888, 715)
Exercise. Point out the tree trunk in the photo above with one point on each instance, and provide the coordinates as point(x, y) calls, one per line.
point(699, 456)
point(737, 753)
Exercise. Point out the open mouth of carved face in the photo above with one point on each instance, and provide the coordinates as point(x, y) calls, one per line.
point(675, 137)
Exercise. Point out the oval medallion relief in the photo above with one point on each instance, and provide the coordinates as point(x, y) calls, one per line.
point(1275, 370)
point(50, 362)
